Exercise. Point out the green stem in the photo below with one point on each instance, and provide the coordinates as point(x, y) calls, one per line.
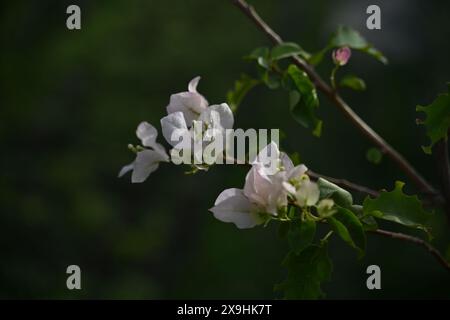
point(333, 76)
point(326, 236)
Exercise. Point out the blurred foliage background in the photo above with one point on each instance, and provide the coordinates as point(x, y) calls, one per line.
point(70, 103)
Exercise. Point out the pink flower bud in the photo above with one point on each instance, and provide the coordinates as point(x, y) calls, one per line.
point(342, 55)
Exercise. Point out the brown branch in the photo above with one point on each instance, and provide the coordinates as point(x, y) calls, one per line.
point(363, 127)
point(400, 236)
point(440, 151)
point(345, 184)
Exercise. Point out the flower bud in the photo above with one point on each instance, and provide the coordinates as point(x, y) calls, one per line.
point(341, 56)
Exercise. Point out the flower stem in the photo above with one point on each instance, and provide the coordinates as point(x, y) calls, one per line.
point(333, 76)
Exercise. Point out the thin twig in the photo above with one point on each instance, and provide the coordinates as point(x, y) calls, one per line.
point(345, 184)
point(365, 129)
point(395, 235)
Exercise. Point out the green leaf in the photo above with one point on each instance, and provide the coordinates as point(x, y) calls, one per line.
point(353, 82)
point(374, 155)
point(241, 88)
point(369, 222)
point(304, 104)
point(261, 52)
point(398, 207)
point(261, 55)
point(340, 196)
point(301, 234)
point(317, 57)
point(346, 36)
point(306, 272)
point(271, 80)
point(286, 50)
point(347, 225)
point(437, 120)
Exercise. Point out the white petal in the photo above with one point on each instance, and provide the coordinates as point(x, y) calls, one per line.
point(126, 169)
point(146, 162)
point(289, 187)
point(257, 185)
point(277, 198)
point(223, 114)
point(190, 103)
point(296, 172)
point(270, 151)
point(173, 123)
point(192, 86)
point(286, 161)
point(161, 151)
point(232, 206)
point(147, 133)
point(269, 157)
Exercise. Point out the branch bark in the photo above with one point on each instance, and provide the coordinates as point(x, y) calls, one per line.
point(404, 237)
point(321, 85)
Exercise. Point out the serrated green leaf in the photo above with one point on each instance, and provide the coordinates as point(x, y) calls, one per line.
point(304, 110)
point(340, 196)
point(353, 82)
point(437, 122)
point(301, 234)
point(306, 272)
point(347, 225)
point(241, 88)
point(346, 36)
point(398, 207)
point(374, 155)
point(286, 50)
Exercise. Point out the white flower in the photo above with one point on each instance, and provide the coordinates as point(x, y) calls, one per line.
point(267, 185)
point(326, 208)
point(233, 206)
point(307, 194)
point(304, 191)
point(147, 160)
point(204, 130)
point(190, 103)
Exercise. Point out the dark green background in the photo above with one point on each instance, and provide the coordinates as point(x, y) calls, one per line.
point(70, 103)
